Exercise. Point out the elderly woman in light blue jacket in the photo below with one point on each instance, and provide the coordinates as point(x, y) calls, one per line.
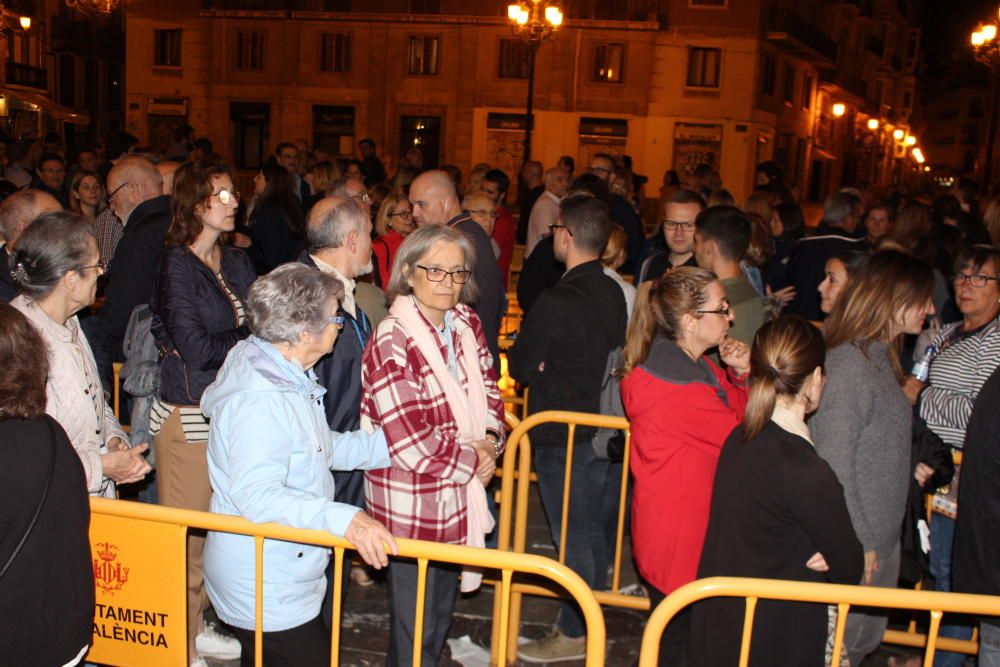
point(270, 453)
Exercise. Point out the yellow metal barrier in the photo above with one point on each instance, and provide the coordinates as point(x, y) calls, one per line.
point(516, 477)
point(841, 596)
point(139, 561)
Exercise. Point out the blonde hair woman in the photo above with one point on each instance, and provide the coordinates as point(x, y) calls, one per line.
point(393, 224)
point(613, 258)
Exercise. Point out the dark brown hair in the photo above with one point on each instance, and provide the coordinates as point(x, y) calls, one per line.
point(888, 283)
point(23, 356)
point(192, 188)
point(785, 352)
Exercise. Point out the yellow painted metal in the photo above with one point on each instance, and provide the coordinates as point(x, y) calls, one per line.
point(507, 563)
point(748, 615)
point(838, 634)
point(796, 591)
point(258, 612)
point(338, 596)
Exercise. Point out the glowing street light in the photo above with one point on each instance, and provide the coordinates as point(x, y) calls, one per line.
point(898, 135)
point(839, 109)
point(533, 22)
point(872, 124)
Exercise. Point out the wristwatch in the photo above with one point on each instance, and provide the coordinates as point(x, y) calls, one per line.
point(495, 438)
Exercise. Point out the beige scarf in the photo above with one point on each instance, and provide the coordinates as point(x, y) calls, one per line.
point(467, 406)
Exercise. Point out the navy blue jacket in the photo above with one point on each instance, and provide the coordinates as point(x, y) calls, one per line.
point(194, 320)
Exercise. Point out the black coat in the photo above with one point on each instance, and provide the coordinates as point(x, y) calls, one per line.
point(775, 503)
point(807, 265)
point(47, 595)
point(541, 271)
point(340, 374)
point(8, 290)
point(570, 330)
point(274, 240)
point(492, 294)
point(977, 543)
point(623, 214)
point(194, 320)
point(130, 281)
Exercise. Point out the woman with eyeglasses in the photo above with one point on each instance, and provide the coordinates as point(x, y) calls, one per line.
point(863, 426)
point(963, 356)
point(393, 224)
point(677, 319)
point(429, 384)
point(199, 292)
point(270, 454)
point(276, 226)
point(56, 266)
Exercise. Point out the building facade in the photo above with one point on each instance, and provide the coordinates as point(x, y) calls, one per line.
point(60, 71)
point(673, 83)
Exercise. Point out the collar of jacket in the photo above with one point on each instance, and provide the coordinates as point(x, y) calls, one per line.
point(824, 228)
point(668, 362)
point(593, 266)
point(281, 372)
point(159, 204)
point(461, 217)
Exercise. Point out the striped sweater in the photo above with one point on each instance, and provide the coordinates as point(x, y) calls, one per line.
point(957, 374)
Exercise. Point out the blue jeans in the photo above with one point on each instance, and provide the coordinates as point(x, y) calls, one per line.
point(586, 541)
point(989, 645)
point(942, 540)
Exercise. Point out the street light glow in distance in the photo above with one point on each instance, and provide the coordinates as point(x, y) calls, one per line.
point(872, 124)
point(898, 135)
point(839, 109)
point(25, 22)
point(989, 32)
point(910, 140)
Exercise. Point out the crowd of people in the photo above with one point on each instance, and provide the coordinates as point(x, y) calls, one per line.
point(324, 353)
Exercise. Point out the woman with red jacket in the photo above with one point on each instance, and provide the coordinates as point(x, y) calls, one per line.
point(682, 407)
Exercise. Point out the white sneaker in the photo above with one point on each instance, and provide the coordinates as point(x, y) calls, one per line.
point(210, 643)
point(199, 662)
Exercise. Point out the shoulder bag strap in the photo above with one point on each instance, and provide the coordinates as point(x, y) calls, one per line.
point(41, 501)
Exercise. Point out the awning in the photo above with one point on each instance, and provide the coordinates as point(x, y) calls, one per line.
point(42, 103)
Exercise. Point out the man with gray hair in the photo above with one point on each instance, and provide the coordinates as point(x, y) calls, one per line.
point(807, 260)
point(352, 188)
point(545, 212)
point(16, 213)
point(135, 194)
point(340, 244)
point(435, 202)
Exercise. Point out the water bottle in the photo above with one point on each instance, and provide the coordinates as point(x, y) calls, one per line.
point(921, 369)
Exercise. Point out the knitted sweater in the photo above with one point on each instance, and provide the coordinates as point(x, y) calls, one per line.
point(862, 429)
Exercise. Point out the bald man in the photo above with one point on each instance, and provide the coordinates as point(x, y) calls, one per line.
point(435, 202)
point(16, 213)
point(135, 193)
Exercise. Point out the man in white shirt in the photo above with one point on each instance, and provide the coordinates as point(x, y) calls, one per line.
point(545, 212)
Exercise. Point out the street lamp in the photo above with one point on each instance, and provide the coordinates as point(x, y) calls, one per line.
point(839, 109)
point(873, 124)
point(986, 48)
point(533, 22)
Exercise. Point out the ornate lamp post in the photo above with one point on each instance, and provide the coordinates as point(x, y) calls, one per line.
point(533, 22)
point(986, 49)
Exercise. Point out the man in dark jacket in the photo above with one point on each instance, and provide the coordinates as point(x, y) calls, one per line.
point(807, 260)
point(561, 354)
point(977, 547)
point(371, 166)
point(605, 167)
point(135, 190)
point(435, 202)
point(17, 212)
point(339, 237)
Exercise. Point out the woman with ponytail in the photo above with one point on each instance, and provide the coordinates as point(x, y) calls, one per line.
point(682, 407)
point(778, 511)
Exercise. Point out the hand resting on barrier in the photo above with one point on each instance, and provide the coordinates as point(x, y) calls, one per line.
point(370, 537)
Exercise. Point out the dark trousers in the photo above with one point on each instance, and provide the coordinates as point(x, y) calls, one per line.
point(439, 606)
point(349, 488)
point(677, 635)
point(307, 645)
point(587, 543)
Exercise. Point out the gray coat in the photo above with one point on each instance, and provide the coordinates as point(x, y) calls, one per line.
point(862, 429)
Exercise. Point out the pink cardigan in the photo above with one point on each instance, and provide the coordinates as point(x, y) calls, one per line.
point(74, 395)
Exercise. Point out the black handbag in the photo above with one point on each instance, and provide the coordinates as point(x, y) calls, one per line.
point(41, 501)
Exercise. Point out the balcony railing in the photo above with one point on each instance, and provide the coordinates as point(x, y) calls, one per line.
point(845, 80)
point(785, 24)
point(26, 75)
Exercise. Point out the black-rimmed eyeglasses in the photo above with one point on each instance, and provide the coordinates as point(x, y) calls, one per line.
point(553, 228)
point(975, 279)
point(725, 310)
point(111, 195)
point(436, 275)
